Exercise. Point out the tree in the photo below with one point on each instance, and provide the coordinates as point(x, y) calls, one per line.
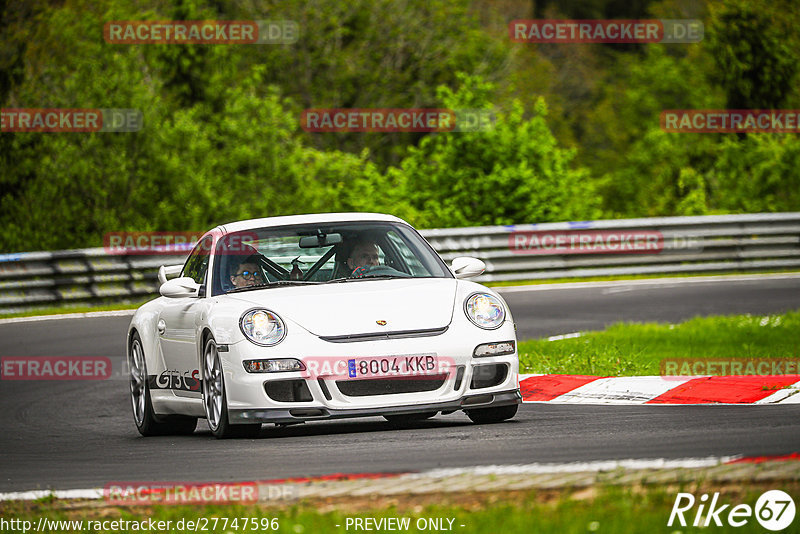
point(513, 173)
point(754, 44)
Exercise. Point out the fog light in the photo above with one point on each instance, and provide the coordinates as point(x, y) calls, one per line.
point(273, 366)
point(494, 349)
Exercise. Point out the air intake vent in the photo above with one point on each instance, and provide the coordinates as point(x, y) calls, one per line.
point(389, 386)
point(486, 376)
point(288, 390)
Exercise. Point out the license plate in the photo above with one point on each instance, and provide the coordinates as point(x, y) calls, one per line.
point(387, 366)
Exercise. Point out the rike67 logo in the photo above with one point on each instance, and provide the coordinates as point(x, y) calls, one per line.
point(774, 510)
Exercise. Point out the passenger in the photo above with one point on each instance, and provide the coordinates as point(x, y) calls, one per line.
point(247, 273)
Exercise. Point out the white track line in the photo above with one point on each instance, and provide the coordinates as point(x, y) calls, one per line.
point(794, 399)
point(645, 282)
point(575, 467)
point(564, 336)
point(517, 469)
point(58, 494)
point(85, 315)
point(782, 395)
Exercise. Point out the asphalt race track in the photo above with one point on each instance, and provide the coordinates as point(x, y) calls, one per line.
point(541, 312)
point(65, 435)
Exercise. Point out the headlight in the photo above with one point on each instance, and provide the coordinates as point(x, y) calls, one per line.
point(485, 310)
point(262, 327)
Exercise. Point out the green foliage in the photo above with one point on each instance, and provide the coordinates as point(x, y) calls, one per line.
point(754, 51)
point(372, 54)
point(642, 165)
point(513, 172)
point(577, 133)
point(745, 62)
point(758, 174)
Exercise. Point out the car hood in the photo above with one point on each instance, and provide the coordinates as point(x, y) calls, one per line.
point(350, 308)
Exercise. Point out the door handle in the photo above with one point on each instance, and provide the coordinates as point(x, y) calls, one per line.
point(162, 326)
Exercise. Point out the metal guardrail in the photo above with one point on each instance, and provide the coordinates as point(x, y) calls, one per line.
point(753, 242)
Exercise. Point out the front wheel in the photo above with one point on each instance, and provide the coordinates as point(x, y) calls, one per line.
point(215, 400)
point(492, 415)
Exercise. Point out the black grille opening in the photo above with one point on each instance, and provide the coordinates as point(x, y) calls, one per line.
point(390, 386)
point(294, 390)
point(486, 376)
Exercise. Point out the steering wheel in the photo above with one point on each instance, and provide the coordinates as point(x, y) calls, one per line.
point(378, 270)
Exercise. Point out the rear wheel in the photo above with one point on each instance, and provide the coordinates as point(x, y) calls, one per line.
point(215, 400)
point(147, 422)
point(406, 418)
point(492, 415)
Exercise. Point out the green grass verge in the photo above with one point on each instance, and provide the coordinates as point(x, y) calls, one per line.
point(637, 349)
point(85, 308)
point(613, 509)
point(633, 277)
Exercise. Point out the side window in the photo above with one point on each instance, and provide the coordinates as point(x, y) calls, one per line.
point(196, 265)
point(417, 269)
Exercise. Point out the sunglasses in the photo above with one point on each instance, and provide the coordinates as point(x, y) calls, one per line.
point(249, 274)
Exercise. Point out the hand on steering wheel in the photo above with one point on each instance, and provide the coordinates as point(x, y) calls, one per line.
point(359, 272)
point(365, 271)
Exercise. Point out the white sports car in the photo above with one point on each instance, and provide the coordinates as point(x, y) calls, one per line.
point(313, 317)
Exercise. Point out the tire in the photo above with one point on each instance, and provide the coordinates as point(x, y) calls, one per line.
point(407, 418)
point(147, 422)
point(215, 398)
point(492, 415)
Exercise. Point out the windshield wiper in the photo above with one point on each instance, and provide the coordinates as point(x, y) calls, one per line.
point(367, 277)
point(272, 284)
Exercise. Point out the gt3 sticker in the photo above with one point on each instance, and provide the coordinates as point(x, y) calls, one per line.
point(174, 379)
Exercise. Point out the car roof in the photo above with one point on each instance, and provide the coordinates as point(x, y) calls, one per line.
point(313, 218)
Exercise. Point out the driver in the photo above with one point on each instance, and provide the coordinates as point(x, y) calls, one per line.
point(247, 273)
point(364, 254)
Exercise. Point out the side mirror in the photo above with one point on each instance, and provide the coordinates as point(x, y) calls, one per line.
point(466, 267)
point(165, 271)
point(179, 288)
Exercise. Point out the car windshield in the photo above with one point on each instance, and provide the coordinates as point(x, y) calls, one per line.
point(322, 253)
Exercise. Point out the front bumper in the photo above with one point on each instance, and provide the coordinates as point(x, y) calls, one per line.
point(328, 398)
point(317, 413)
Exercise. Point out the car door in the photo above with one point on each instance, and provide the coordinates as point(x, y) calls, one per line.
point(178, 326)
